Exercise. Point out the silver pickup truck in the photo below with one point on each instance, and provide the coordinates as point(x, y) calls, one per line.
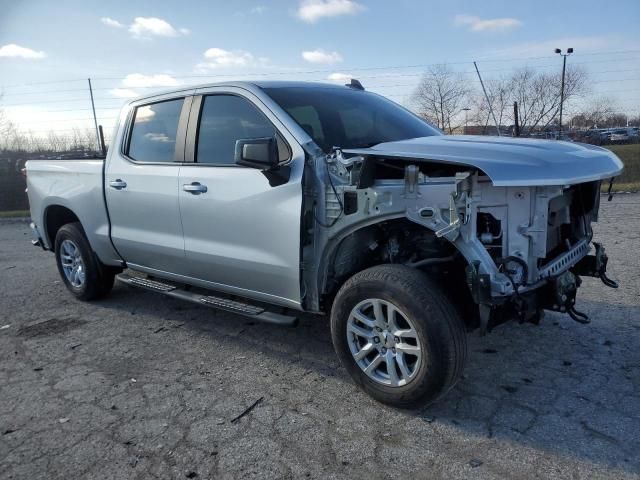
point(268, 199)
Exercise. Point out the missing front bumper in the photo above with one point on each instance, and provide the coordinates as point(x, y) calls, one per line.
point(556, 292)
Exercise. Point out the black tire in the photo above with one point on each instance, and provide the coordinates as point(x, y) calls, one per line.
point(439, 329)
point(99, 278)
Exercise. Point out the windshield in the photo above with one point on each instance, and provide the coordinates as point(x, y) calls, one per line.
point(348, 118)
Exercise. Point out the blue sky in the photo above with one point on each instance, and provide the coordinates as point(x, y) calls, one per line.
point(134, 47)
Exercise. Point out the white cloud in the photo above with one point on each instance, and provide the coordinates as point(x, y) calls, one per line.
point(16, 51)
point(146, 27)
point(110, 22)
point(320, 56)
point(477, 24)
point(139, 80)
point(220, 58)
point(123, 93)
point(340, 77)
point(313, 10)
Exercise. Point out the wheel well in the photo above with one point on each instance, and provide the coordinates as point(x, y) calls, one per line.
point(401, 241)
point(55, 217)
point(397, 241)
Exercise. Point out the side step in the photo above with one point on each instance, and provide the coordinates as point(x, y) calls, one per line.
point(241, 308)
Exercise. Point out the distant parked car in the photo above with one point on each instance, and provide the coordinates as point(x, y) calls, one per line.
point(564, 137)
point(620, 135)
point(596, 136)
point(604, 136)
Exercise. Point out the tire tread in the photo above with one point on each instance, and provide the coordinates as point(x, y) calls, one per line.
point(429, 295)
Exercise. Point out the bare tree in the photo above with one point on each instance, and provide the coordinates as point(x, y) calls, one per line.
point(538, 95)
point(440, 96)
point(499, 93)
point(7, 129)
point(595, 113)
point(89, 139)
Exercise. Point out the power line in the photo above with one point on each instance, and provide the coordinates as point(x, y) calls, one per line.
point(79, 109)
point(419, 74)
point(120, 103)
point(60, 101)
point(67, 120)
point(422, 65)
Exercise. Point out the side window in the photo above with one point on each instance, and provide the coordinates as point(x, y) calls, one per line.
point(223, 120)
point(153, 135)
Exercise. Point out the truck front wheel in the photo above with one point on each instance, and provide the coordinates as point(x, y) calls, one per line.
point(398, 336)
point(81, 271)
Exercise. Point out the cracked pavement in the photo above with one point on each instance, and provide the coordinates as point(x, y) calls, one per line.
point(142, 386)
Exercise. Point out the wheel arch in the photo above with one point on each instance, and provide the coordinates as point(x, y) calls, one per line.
point(55, 217)
point(358, 248)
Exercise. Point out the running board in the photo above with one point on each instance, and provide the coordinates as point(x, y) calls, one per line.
point(241, 308)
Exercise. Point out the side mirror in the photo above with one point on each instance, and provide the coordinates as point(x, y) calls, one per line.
point(261, 153)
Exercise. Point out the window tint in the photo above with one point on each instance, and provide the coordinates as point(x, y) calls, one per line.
point(347, 118)
point(225, 119)
point(153, 136)
point(308, 118)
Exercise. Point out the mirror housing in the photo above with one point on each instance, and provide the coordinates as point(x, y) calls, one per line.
point(261, 153)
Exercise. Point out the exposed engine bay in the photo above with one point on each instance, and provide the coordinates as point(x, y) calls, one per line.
point(519, 250)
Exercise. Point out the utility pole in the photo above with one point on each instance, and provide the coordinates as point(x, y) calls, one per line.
point(466, 111)
point(564, 67)
point(487, 97)
point(95, 120)
point(515, 119)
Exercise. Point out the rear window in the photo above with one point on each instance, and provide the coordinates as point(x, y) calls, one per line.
point(153, 135)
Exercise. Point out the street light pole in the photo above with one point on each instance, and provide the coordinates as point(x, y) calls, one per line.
point(564, 67)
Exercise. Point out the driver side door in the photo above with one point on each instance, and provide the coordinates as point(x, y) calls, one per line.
point(241, 231)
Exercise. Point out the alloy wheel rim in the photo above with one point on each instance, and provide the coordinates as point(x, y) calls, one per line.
point(384, 342)
point(72, 263)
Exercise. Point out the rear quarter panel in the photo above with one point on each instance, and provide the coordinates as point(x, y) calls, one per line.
point(78, 186)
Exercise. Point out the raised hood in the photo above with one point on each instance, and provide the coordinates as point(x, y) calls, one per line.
point(509, 162)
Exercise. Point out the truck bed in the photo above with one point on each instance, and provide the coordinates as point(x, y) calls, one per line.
point(76, 185)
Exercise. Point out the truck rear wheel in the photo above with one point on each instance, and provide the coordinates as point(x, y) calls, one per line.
point(398, 336)
point(81, 271)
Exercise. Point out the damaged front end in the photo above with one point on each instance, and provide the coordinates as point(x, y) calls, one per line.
point(524, 247)
point(543, 250)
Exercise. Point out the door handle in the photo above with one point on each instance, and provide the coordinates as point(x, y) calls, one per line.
point(195, 188)
point(118, 184)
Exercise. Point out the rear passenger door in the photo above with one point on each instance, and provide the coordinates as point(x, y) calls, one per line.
point(241, 229)
point(141, 184)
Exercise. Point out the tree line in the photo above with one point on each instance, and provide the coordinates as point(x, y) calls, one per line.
point(449, 100)
point(443, 97)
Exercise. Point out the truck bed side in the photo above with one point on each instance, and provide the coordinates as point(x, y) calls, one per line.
point(60, 187)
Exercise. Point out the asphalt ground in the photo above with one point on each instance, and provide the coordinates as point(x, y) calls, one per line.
point(142, 386)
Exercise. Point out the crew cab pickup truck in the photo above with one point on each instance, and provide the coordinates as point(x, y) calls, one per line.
point(268, 199)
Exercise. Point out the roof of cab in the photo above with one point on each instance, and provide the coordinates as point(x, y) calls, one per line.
point(244, 84)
